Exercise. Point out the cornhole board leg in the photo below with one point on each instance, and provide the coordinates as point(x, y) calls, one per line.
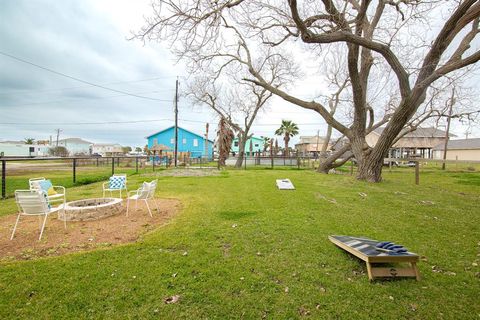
point(374, 272)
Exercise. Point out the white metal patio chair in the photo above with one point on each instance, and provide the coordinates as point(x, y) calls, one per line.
point(117, 182)
point(60, 195)
point(34, 203)
point(145, 192)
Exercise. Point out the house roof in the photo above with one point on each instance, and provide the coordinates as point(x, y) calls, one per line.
point(75, 140)
point(429, 132)
point(198, 135)
point(311, 139)
point(12, 142)
point(460, 144)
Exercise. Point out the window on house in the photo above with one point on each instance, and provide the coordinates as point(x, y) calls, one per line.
point(256, 145)
point(184, 141)
point(235, 143)
point(195, 142)
point(172, 141)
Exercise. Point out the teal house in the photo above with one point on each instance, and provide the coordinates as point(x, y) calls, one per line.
point(257, 145)
point(188, 141)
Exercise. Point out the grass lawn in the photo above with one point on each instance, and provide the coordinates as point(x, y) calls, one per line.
point(241, 249)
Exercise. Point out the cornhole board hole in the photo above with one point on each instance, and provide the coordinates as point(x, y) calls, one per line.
point(285, 184)
point(366, 250)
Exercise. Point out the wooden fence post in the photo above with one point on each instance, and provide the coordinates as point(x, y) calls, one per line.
point(136, 164)
point(4, 179)
point(74, 170)
point(113, 166)
point(351, 167)
point(417, 173)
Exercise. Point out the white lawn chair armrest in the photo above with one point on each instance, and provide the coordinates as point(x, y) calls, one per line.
point(105, 183)
point(60, 188)
point(133, 192)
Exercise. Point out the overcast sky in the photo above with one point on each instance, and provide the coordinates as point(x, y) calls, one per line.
point(88, 40)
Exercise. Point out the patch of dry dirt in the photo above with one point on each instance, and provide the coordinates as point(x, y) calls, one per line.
point(79, 236)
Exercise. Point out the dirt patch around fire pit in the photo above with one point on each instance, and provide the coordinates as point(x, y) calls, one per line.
point(80, 235)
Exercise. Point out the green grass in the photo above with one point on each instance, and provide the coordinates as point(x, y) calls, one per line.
point(280, 241)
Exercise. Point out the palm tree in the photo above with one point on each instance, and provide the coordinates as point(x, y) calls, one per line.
point(225, 137)
point(266, 143)
point(29, 140)
point(287, 129)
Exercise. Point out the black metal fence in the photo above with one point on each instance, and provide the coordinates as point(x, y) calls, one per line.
point(70, 171)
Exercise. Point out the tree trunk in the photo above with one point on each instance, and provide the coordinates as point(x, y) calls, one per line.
point(286, 138)
point(241, 150)
point(329, 163)
point(370, 169)
point(327, 139)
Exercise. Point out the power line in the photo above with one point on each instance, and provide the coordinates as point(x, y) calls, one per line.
point(75, 78)
point(88, 86)
point(132, 122)
point(76, 99)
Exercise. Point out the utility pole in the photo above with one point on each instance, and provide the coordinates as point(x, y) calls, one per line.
point(206, 140)
point(175, 150)
point(452, 102)
point(58, 135)
point(318, 138)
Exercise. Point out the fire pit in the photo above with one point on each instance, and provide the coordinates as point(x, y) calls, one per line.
point(92, 209)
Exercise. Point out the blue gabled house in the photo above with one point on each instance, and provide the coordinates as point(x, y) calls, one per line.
point(188, 141)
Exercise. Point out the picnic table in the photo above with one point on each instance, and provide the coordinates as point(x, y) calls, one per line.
point(366, 249)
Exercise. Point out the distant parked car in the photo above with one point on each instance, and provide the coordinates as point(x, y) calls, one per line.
point(96, 155)
point(410, 164)
point(387, 163)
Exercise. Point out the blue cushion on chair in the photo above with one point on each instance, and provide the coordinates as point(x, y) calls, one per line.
point(116, 183)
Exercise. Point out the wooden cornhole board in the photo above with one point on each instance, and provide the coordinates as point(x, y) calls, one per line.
point(365, 249)
point(285, 184)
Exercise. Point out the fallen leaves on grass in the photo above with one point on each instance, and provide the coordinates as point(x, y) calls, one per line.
point(399, 193)
point(303, 311)
point(322, 197)
point(363, 195)
point(426, 202)
point(172, 299)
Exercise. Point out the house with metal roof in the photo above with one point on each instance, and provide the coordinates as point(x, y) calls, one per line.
point(311, 145)
point(418, 143)
point(188, 142)
point(75, 146)
point(461, 149)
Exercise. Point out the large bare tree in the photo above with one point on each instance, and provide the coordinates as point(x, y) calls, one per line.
point(239, 101)
point(247, 33)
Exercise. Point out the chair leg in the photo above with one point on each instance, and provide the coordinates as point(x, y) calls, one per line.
point(148, 207)
point(156, 204)
point(128, 205)
point(15, 227)
point(43, 227)
point(64, 219)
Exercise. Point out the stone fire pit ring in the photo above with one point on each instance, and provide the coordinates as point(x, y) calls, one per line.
point(91, 209)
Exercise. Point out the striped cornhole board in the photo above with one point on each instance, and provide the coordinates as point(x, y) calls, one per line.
point(365, 249)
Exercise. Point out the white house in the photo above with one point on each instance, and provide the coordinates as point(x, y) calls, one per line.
point(76, 146)
point(107, 149)
point(20, 149)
